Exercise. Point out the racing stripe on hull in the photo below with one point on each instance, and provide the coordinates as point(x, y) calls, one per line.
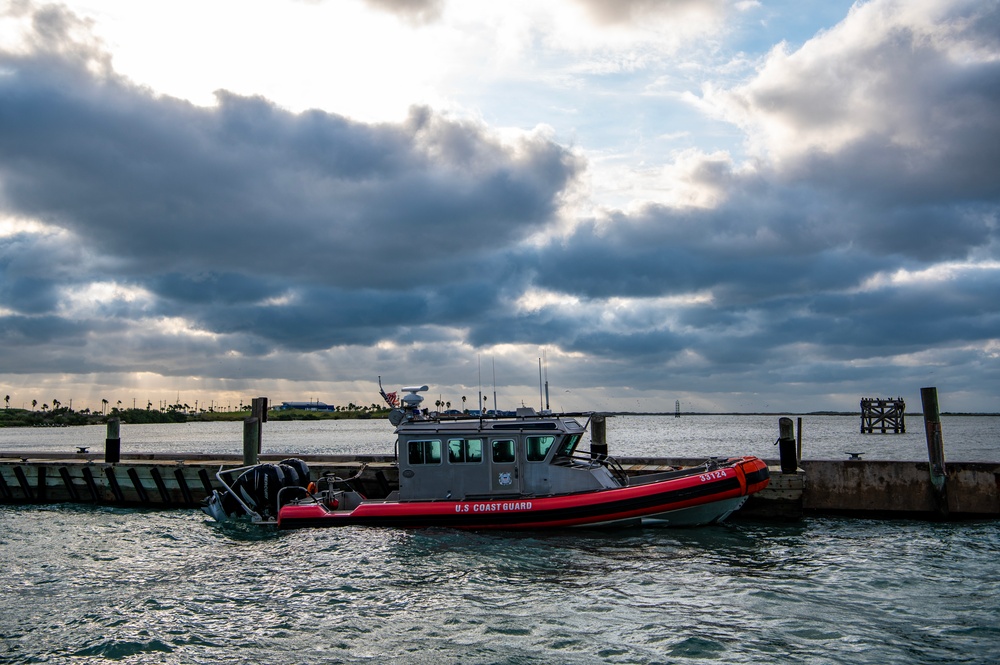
point(581, 513)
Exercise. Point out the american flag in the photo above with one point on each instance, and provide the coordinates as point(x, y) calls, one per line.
point(390, 399)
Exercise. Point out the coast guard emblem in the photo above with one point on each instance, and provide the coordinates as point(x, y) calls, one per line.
point(505, 478)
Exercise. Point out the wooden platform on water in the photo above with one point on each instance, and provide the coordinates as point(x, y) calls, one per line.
point(861, 488)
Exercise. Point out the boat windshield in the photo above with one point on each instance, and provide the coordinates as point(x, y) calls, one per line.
point(538, 447)
point(568, 445)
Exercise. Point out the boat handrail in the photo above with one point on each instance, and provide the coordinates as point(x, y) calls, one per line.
point(254, 515)
point(451, 417)
point(346, 482)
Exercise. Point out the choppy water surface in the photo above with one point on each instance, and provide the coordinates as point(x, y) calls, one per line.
point(966, 438)
point(85, 584)
point(94, 585)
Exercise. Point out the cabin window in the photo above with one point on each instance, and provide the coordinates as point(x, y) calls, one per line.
point(465, 451)
point(503, 451)
point(538, 447)
point(424, 452)
point(569, 445)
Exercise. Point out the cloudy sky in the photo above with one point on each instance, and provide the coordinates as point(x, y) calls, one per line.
point(742, 205)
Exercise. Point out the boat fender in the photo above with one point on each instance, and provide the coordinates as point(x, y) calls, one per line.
point(332, 503)
point(311, 488)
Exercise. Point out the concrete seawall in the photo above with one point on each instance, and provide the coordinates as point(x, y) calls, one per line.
point(845, 487)
point(856, 486)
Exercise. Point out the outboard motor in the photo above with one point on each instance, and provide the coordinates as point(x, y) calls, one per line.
point(257, 488)
point(300, 468)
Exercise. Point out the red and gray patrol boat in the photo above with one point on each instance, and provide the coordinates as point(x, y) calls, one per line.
point(470, 472)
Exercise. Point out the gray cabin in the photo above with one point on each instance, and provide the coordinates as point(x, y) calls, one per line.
point(527, 455)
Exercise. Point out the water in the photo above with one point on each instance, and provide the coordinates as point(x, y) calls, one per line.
point(85, 584)
point(98, 585)
point(966, 438)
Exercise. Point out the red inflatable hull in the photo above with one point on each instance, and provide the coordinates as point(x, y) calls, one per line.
point(697, 498)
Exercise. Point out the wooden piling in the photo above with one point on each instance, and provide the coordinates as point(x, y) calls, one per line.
point(116, 489)
point(935, 447)
point(251, 440)
point(42, 488)
point(206, 483)
point(160, 485)
point(786, 445)
point(22, 480)
point(137, 484)
point(183, 486)
point(598, 436)
point(88, 478)
point(258, 409)
point(798, 438)
point(113, 442)
point(5, 492)
point(68, 482)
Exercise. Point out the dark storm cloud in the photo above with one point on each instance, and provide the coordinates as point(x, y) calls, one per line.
point(163, 183)
point(223, 212)
point(256, 230)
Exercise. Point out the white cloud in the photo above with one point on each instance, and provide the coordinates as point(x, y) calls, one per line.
point(889, 70)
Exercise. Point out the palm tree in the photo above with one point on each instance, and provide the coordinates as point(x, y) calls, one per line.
point(463, 402)
point(34, 403)
point(104, 406)
point(7, 400)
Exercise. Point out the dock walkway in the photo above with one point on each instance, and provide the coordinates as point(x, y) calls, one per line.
point(845, 487)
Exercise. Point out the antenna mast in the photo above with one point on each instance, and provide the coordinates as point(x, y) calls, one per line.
point(540, 402)
point(546, 366)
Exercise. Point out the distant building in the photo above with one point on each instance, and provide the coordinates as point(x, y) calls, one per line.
point(307, 406)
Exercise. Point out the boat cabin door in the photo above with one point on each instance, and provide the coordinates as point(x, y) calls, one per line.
point(504, 475)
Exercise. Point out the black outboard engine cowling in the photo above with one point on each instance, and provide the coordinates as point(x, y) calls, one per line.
point(300, 468)
point(258, 487)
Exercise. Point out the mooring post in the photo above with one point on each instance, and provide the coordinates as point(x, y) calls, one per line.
point(786, 445)
point(113, 443)
point(935, 447)
point(258, 410)
point(251, 440)
point(598, 436)
point(798, 438)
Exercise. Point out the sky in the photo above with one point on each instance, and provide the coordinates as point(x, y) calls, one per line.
point(741, 205)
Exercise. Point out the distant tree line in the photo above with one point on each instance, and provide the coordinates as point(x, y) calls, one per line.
point(59, 415)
